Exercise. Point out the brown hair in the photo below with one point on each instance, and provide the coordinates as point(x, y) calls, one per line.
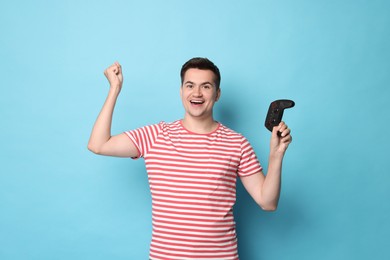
point(202, 64)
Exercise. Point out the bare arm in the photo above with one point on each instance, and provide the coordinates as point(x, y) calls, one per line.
point(265, 190)
point(101, 141)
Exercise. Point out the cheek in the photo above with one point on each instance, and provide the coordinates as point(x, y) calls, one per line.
point(182, 94)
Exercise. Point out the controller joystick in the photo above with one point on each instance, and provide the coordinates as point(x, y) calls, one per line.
point(275, 112)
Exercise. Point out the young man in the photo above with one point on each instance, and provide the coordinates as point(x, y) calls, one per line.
point(192, 166)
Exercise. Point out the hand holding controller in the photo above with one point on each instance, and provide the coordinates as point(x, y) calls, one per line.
point(275, 112)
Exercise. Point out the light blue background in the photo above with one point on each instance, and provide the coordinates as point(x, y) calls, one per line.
point(59, 201)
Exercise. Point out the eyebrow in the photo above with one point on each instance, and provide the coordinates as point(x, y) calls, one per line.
point(203, 83)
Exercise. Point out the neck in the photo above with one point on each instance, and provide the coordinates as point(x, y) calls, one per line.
point(200, 126)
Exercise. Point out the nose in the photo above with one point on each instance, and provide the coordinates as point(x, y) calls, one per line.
point(197, 91)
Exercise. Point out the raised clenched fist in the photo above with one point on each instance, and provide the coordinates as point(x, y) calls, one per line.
point(114, 75)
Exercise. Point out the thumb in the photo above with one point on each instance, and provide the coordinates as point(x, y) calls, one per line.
point(275, 131)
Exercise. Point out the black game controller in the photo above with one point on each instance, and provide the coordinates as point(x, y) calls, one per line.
point(275, 112)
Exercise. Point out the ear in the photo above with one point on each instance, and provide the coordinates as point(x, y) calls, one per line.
point(218, 95)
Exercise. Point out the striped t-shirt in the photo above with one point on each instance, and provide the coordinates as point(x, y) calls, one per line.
point(192, 180)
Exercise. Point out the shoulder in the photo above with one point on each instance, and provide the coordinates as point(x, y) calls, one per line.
point(162, 126)
point(169, 126)
point(173, 128)
point(230, 133)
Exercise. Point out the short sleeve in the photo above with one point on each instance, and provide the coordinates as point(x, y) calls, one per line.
point(144, 138)
point(249, 163)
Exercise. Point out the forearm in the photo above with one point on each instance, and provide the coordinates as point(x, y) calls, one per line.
point(101, 131)
point(272, 183)
point(265, 189)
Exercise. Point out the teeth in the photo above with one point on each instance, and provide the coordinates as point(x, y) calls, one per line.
point(196, 101)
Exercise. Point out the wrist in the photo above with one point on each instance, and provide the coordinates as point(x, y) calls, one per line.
point(276, 155)
point(114, 90)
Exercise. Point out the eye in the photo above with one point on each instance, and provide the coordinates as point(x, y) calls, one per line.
point(207, 86)
point(189, 86)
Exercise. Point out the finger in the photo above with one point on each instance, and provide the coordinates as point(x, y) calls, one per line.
point(115, 70)
point(280, 131)
point(285, 132)
point(275, 131)
point(280, 126)
point(110, 69)
point(287, 139)
point(118, 68)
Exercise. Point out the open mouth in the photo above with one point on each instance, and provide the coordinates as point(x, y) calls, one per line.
point(196, 102)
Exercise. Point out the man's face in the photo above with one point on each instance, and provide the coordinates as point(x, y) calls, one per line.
point(199, 93)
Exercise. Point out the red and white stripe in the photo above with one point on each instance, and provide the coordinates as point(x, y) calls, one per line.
point(192, 180)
